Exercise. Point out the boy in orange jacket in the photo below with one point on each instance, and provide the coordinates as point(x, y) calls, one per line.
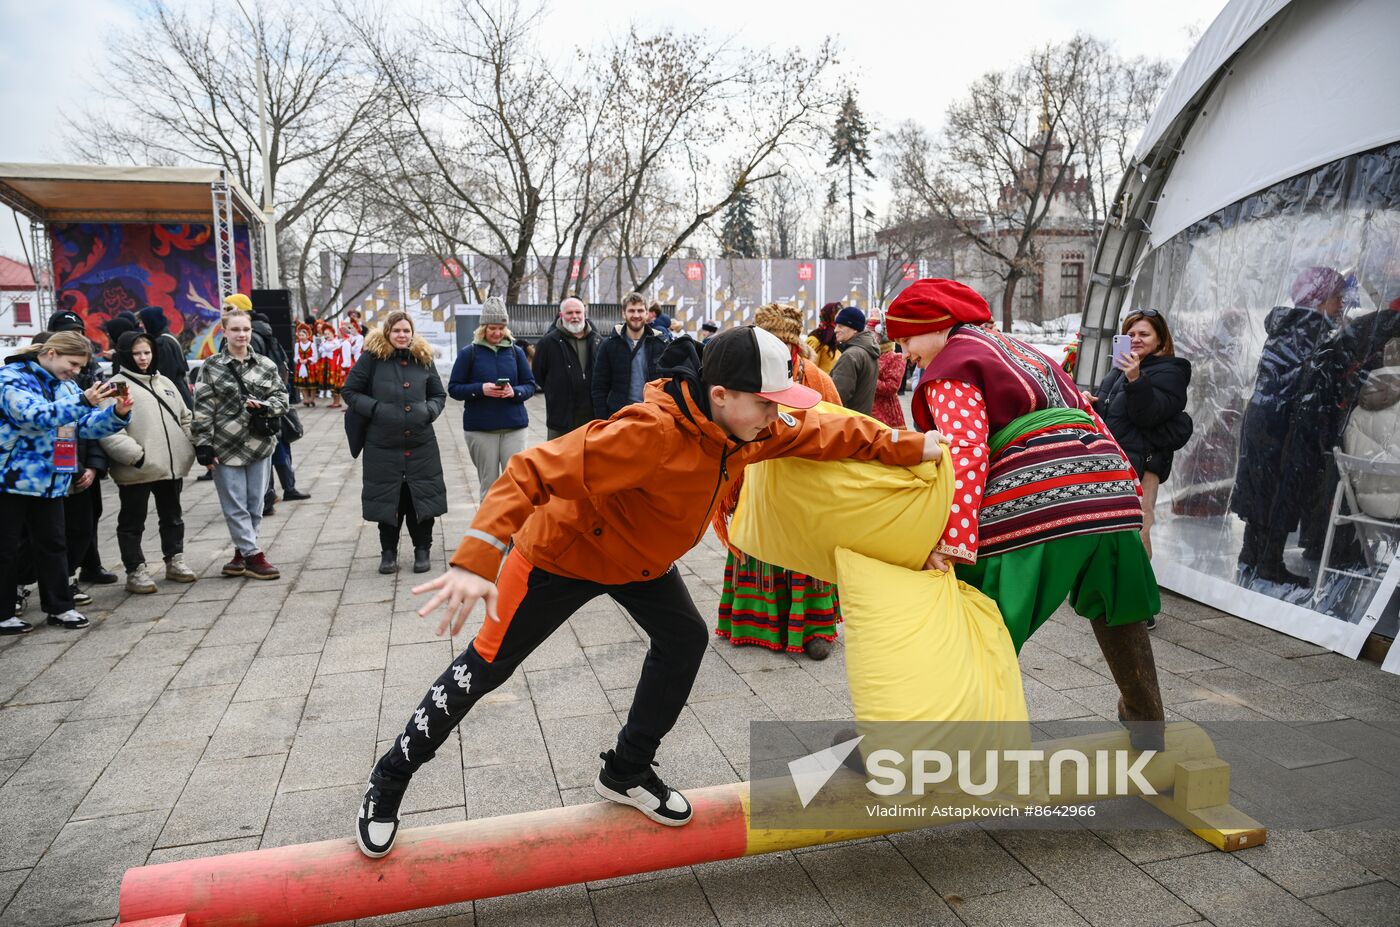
point(606, 510)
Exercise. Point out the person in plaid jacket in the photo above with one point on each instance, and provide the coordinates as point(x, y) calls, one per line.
point(223, 414)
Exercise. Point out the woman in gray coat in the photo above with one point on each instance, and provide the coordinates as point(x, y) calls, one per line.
point(396, 389)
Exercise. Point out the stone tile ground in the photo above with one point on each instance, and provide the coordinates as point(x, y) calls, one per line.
point(230, 715)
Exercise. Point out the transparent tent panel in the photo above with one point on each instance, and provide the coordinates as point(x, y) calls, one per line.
point(1278, 379)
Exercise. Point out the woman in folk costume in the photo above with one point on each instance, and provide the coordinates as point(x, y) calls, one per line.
point(763, 604)
point(1046, 505)
point(352, 345)
point(332, 374)
point(305, 370)
point(324, 335)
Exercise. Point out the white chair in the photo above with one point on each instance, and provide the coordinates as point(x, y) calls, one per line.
point(1367, 527)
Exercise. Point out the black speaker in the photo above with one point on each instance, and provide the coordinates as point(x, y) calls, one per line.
point(277, 305)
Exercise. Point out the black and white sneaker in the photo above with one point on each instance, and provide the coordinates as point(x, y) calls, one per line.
point(71, 620)
point(646, 792)
point(377, 824)
point(79, 596)
point(15, 626)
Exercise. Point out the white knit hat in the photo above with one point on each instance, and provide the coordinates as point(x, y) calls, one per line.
point(493, 311)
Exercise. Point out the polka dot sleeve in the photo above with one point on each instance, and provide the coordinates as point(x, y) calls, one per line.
point(960, 412)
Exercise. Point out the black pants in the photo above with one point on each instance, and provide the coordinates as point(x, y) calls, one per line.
point(532, 605)
point(44, 522)
point(282, 469)
point(131, 520)
point(420, 531)
point(81, 512)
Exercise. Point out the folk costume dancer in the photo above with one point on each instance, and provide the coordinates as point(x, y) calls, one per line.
point(304, 369)
point(607, 509)
point(1046, 505)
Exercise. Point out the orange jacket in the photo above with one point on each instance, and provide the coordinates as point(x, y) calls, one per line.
point(618, 501)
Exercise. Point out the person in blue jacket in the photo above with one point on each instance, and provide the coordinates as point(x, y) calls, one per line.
point(43, 414)
point(492, 379)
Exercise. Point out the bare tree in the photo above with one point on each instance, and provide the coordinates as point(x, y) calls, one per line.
point(1108, 109)
point(180, 88)
point(999, 161)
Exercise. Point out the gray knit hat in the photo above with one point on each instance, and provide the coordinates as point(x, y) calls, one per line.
point(493, 311)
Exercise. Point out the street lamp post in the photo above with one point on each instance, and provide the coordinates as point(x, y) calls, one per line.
point(269, 210)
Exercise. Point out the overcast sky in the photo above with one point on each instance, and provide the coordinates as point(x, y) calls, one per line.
point(909, 60)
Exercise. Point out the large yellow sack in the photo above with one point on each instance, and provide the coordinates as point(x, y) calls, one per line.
point(922, 646)
point(793, 512)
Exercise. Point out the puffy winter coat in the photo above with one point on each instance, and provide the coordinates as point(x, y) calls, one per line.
point(401, 394)
point(857, 372)
point(612, 368)
point(1147, 417)
point(33, 405)
point(619, 501)
point(156, 445)
point(567, 384)
point(480, 363)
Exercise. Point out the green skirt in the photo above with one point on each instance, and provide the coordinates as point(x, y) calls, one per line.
point(1105, 576)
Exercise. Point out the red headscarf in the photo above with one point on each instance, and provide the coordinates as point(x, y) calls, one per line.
point(932, 305)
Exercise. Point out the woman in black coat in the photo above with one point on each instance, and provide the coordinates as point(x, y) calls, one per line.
point(1143, 402)
point(395, 387)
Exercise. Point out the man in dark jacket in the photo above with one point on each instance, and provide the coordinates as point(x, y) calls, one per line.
point(170, 354)
point(858, 369)
point(627, 359)
point(563, 367)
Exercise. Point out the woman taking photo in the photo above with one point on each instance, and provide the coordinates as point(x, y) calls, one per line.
point(1143, 402)
point(42, 416)
point(492, 378)
point(396, 389)
point(149, 459)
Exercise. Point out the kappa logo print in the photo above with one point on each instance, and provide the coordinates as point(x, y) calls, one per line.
point(420, 720)
point(403, 745)
point(439, 694)
point(463, 677)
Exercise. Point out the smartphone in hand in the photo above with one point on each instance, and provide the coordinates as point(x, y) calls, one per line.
point(1122, 347)
point(503, 381)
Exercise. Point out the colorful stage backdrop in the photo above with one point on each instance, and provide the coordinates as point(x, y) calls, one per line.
point(101, 269)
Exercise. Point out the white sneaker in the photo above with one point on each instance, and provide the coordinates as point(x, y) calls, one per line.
point(15, 626)
point(139, 582)
point(71, 620)
point(177, 571)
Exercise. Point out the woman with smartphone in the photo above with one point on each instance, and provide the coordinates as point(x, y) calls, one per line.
point(149, 460)
point(492, 380)
point(1143, 402)
point(43, 414)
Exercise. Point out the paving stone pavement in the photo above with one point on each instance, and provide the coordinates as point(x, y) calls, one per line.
point(231, 714)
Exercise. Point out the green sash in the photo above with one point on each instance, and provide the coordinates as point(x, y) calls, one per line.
point(1035, 421)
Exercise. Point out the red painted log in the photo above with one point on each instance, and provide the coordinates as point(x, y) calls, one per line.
point(321, 883)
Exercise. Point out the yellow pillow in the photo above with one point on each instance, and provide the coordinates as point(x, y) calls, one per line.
point(922, 646)
point(793, 512)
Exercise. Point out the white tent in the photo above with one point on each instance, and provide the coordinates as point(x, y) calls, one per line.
point(1274, 154)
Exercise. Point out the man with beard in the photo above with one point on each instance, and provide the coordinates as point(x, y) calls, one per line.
point(627, 359)
point(563, 368)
